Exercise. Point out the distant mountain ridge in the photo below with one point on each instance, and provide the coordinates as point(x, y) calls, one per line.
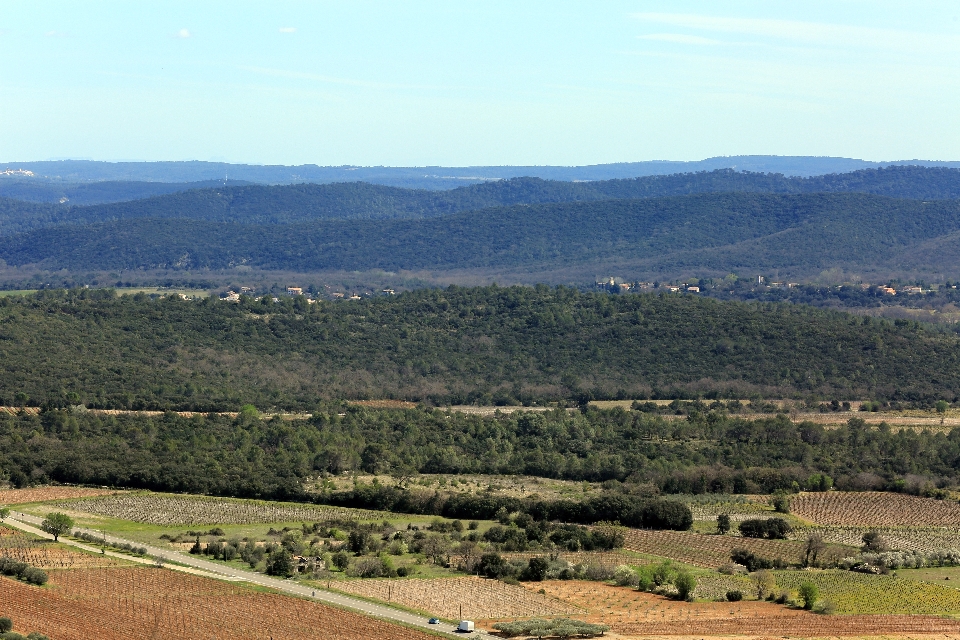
point(435, 177)
point(287, 204)
point(87, 193)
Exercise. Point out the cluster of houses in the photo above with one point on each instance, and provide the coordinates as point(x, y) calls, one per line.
point(17, 172)
point(618, 283)
point(234, 296)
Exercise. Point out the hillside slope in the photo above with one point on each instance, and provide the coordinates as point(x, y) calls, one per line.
point(710, 233)
point(451, 346)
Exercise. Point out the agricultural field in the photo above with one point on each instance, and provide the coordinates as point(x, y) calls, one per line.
point(711, 551)
point(43, 494)
point(158, 604)
point(478, 597)
point(874, 508)
point(862, 593)
point(173, 510)
point(44, 554)
point(902, 538)
point(632, 613)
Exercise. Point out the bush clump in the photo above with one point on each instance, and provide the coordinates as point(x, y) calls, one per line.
point(22, 571)
point(772, 528)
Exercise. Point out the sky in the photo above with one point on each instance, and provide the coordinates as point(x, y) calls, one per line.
point(461, 82)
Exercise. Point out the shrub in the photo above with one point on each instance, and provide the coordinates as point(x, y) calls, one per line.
point(685, 584)
point(645, 579)
point(625, 576)
point(780, 502)
point(34, 575)
point(493, 565)
point(662, 573)
point(750, 560)
point(734, 596)
point(723, 524)
point(764, 583)
point(6, 624)
point(809, 594)
point(825, 607)
point(536, 570)
point(773, 528)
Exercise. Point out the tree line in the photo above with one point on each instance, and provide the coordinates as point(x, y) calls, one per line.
point(637, 457)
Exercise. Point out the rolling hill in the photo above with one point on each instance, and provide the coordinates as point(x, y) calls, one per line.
point(705, 233)
point(286, 204)
point(458, 345)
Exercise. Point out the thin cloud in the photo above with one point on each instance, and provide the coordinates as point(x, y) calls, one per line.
point(183, 33)
point(808, 32)
point(288, 29)
point(55, 34)
point(679, 38)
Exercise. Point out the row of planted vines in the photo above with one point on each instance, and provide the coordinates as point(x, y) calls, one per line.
point(173, 510)
point(874, 508)
point(159, 604)
point(451, 597)
point(708, 550)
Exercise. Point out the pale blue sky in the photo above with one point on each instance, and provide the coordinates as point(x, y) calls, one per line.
point(478, 83)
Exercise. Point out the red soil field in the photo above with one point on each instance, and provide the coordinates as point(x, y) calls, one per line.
point(632, 613)
point(159, 604)
point(42, 494)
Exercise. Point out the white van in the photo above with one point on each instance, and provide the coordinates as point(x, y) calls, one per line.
point(465, 626)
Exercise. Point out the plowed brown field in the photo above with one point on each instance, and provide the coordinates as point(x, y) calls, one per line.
point(149, 603)
point(444, 597)
point(42, 494)
point(636, 614)
point(711, 551)
point(874, 508)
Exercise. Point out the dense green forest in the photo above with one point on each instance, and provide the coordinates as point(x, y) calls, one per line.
point(459, 345)
point(708, 452)
point(718, 233)
point(298, 203)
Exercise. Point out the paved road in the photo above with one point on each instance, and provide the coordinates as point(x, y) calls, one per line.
point(286, 586)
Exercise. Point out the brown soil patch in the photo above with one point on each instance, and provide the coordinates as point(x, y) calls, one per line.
point(42, 494)
point(636, 614)
point(148, 603)
point(874, 508)
point(444, 597)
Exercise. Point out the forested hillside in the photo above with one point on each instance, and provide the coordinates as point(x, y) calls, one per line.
point(706, 233)
point(710, 452)
point(484, 345)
